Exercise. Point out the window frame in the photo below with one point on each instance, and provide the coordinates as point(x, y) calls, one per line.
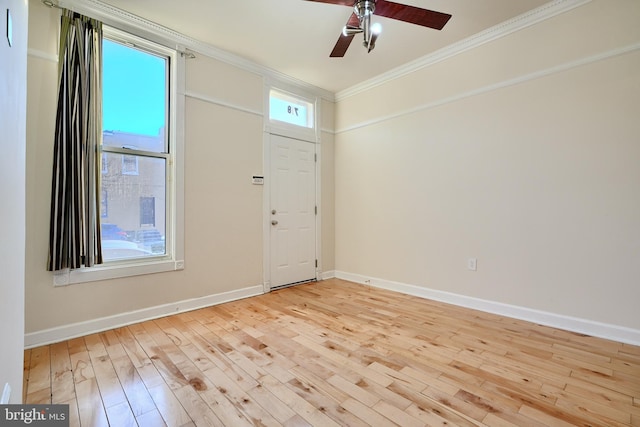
point(173, 259)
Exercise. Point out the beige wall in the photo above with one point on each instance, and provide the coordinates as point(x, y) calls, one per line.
point(538, 179)
point(223, 210)
point(13, 97)
point(327, 187)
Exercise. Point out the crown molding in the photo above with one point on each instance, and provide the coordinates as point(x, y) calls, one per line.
point(544, 12)
point(126, 21)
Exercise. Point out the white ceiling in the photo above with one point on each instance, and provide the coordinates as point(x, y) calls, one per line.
point(295, 37)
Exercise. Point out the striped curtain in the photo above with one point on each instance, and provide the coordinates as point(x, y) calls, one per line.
point(74, 236)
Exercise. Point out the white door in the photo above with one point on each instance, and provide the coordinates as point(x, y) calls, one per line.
point(292, 215)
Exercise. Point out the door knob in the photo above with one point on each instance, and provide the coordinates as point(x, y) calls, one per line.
point(274, 222)
point(273, 212)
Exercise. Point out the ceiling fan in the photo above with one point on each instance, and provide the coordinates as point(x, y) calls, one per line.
point(360, 20)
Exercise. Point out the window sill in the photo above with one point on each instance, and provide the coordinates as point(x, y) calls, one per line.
point(106, 272)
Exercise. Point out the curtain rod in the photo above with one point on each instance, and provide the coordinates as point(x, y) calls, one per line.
point(50, 3)
point(186, 53)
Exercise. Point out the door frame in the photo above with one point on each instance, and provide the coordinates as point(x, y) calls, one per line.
point(293, 132)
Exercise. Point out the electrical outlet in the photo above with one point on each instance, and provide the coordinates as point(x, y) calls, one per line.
point(472, 264)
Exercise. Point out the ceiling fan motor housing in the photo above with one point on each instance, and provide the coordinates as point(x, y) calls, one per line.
point(364, 7)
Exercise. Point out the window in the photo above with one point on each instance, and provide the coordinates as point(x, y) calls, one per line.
point(130, 165)
point(147, 211)
point(291, 114)
point(290, 109)
point(142, 174)
point(104, 204)
point(105, 166)
point(138, 150)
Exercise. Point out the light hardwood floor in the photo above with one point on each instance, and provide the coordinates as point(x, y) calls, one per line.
point(335, 353)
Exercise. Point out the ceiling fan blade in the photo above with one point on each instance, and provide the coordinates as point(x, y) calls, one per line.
point(342, 2)
point(341, 46)
point(344, 41)
point(411, 14)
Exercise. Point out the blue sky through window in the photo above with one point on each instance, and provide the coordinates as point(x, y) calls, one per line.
point(133, 90)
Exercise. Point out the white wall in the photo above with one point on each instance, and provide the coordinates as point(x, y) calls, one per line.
point(13, 90)
point(523, 153)
point(223, 210)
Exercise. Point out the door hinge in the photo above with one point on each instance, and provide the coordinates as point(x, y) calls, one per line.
point(316, 210)
point(316, 263)
point(315, 157)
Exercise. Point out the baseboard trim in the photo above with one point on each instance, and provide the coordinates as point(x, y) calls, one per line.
point(583, 326)
point(325, 275)
point(65, 332)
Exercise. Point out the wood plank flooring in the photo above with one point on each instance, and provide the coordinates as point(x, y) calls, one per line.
point(335, 353)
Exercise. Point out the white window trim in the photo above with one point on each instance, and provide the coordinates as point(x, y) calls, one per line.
point(174, 260)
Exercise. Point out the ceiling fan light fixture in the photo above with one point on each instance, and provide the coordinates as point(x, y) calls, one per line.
point(371, 31)
point(350, 31)
point(372, 40)
point(360, 20)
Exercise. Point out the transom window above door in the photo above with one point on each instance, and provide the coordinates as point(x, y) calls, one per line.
point(290, 109)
